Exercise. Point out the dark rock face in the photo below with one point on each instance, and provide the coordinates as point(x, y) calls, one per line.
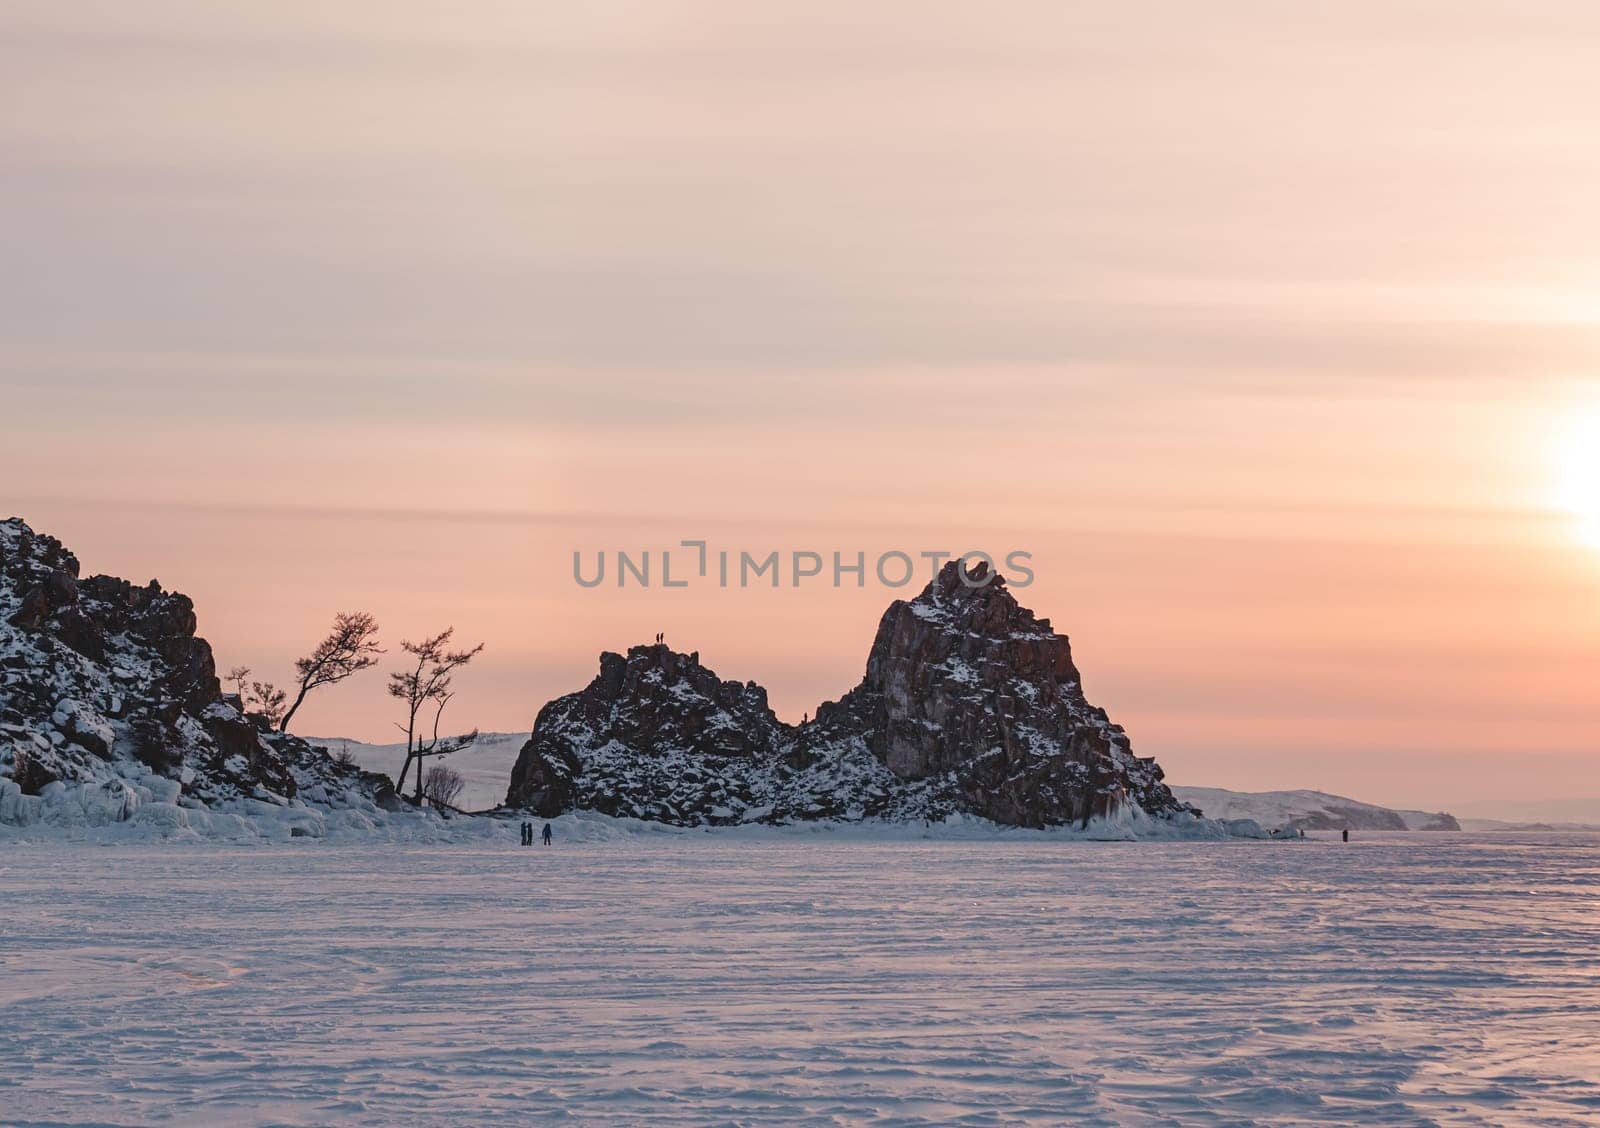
point(964, 682)
point(969, 704)
point(33, 610)
point(99, 678)
point(662, 704)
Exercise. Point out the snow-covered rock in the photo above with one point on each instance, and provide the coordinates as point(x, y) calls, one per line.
point(83, 726)
point(969, 705)
point(110, 709)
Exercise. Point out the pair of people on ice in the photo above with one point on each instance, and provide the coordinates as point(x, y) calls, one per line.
point(527, 834)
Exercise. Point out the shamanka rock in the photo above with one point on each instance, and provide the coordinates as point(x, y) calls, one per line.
point(969, 704)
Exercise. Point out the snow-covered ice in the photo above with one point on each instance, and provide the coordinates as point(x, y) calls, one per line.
point(815, 976)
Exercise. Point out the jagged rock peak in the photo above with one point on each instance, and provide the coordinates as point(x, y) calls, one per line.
point(967, 687)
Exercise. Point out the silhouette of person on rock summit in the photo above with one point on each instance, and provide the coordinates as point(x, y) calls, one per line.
point(548, 833)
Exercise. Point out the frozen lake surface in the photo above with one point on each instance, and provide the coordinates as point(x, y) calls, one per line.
point(696, 979)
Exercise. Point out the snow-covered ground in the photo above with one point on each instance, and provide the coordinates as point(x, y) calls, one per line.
point(820, 977)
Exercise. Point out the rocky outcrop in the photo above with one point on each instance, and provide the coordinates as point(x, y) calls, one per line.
point(969, 704)
point(963, 683)
point(658, 736)
point(657, 700)
point(103, 682)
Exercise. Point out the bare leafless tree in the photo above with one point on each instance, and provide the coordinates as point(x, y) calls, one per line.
point(352, 646)
point(442, 786)
point(240, 676)
point(428, 683)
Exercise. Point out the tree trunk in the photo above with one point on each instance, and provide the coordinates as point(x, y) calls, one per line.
point(400, 784)
point(283, 725)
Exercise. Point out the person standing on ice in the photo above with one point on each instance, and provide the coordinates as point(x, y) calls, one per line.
point(1347, 834)
point(548, 834)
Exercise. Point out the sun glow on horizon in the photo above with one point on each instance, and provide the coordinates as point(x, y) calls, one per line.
point(1578, 476)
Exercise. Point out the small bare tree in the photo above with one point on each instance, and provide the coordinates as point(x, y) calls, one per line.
point(428, 683)
point(442, 786)
point(345, 757)
point(352, 646)
point(239, 676)
point(267, 699)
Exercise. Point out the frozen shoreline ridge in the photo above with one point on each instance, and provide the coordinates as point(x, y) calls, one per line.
point(69, 815)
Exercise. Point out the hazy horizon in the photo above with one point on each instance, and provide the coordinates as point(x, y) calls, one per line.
point(1272, 333)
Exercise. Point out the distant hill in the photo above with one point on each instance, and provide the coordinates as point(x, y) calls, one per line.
point(1568, 811)
point(1308, 810)
point(484, 765)
point(1537, 826)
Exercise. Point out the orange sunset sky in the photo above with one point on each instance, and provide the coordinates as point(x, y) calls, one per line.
point(1271, 330)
